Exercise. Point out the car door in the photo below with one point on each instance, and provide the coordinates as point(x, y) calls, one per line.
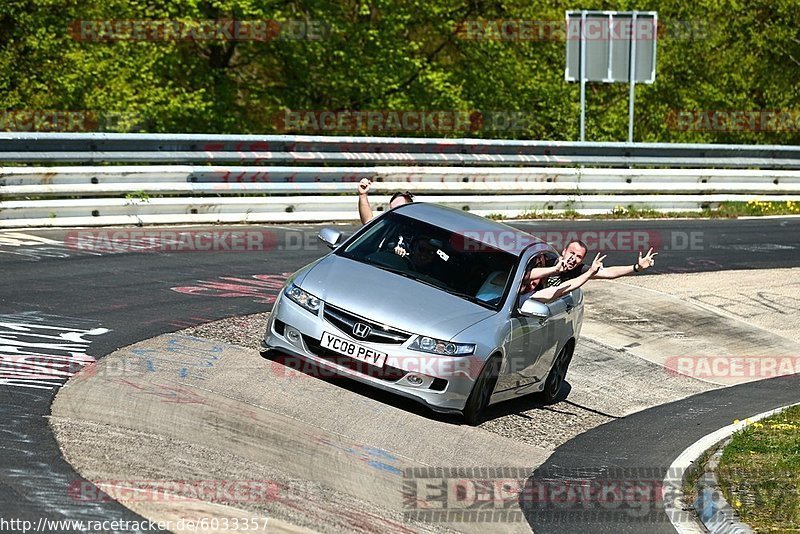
point(574, 318)
point(534, 342)
point(559, 326)
point(530, 338)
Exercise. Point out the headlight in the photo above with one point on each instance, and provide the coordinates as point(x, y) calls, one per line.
point(437, 346)
point(303, 298)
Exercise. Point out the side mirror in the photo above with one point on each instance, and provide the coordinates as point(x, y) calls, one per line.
point(330, 237)
point(534, 308)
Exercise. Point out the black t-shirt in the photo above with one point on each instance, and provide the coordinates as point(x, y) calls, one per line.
point(560, 278)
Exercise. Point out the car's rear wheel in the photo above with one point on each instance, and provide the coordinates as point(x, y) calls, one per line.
point(557, 375)
point(482, 391)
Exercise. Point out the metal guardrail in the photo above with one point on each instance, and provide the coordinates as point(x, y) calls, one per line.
point(190, 210)
point(301, 149)
point(508, 178)
point(198, 180)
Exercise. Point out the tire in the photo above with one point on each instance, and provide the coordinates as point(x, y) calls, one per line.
point(557, 375)
point(482, 391)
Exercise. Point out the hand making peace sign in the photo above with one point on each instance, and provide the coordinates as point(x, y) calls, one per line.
point(648, 260)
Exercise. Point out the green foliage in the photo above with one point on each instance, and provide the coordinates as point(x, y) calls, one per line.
point(390, 55)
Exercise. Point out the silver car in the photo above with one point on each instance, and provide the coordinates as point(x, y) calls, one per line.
point(424, 302)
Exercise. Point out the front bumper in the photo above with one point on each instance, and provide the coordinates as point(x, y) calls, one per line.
point(445, 382)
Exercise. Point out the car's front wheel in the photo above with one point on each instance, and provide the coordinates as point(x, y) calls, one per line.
point(557, 375)
point(482, 391)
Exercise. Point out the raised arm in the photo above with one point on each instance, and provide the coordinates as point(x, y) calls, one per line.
point(364, 209)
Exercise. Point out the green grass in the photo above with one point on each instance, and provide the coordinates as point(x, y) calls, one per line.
point(760, 207)
point(726, 210)
point(759, 473)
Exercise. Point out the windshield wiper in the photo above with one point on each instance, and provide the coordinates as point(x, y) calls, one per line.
point(390, 269)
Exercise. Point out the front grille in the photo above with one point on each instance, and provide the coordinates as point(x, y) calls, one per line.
point(380, 333)
point(387, 372)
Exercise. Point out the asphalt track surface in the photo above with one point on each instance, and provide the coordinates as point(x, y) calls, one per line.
point(638, 450)
point(131, 293)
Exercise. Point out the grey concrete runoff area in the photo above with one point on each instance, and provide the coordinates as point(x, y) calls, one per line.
point(149, 421)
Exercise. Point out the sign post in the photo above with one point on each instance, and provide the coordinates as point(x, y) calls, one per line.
point(583, 76)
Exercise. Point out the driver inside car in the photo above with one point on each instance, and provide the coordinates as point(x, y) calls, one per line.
point(425, 256)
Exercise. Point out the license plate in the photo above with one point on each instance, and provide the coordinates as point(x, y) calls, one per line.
point(354, 350)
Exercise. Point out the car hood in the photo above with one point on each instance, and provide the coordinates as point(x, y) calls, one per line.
point(391, 299)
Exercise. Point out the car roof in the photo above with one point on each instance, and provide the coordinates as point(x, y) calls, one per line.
point(487, 231)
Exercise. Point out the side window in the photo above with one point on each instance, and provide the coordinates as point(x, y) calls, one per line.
point(543, 259)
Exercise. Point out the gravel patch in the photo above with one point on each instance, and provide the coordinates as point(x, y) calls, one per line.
point(245, 331)
point(603, 384)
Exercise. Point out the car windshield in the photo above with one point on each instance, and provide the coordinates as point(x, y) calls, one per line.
point(446, 260)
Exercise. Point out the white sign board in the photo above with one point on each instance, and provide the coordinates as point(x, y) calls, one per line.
point(609, 38)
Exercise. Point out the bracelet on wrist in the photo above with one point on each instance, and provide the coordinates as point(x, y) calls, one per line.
point(636, 267)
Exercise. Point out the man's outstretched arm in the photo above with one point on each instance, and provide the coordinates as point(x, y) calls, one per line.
point(645, 262)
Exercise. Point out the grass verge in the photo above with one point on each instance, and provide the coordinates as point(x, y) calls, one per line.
point(759, 473)
point(693, 475)
point(726, 210)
